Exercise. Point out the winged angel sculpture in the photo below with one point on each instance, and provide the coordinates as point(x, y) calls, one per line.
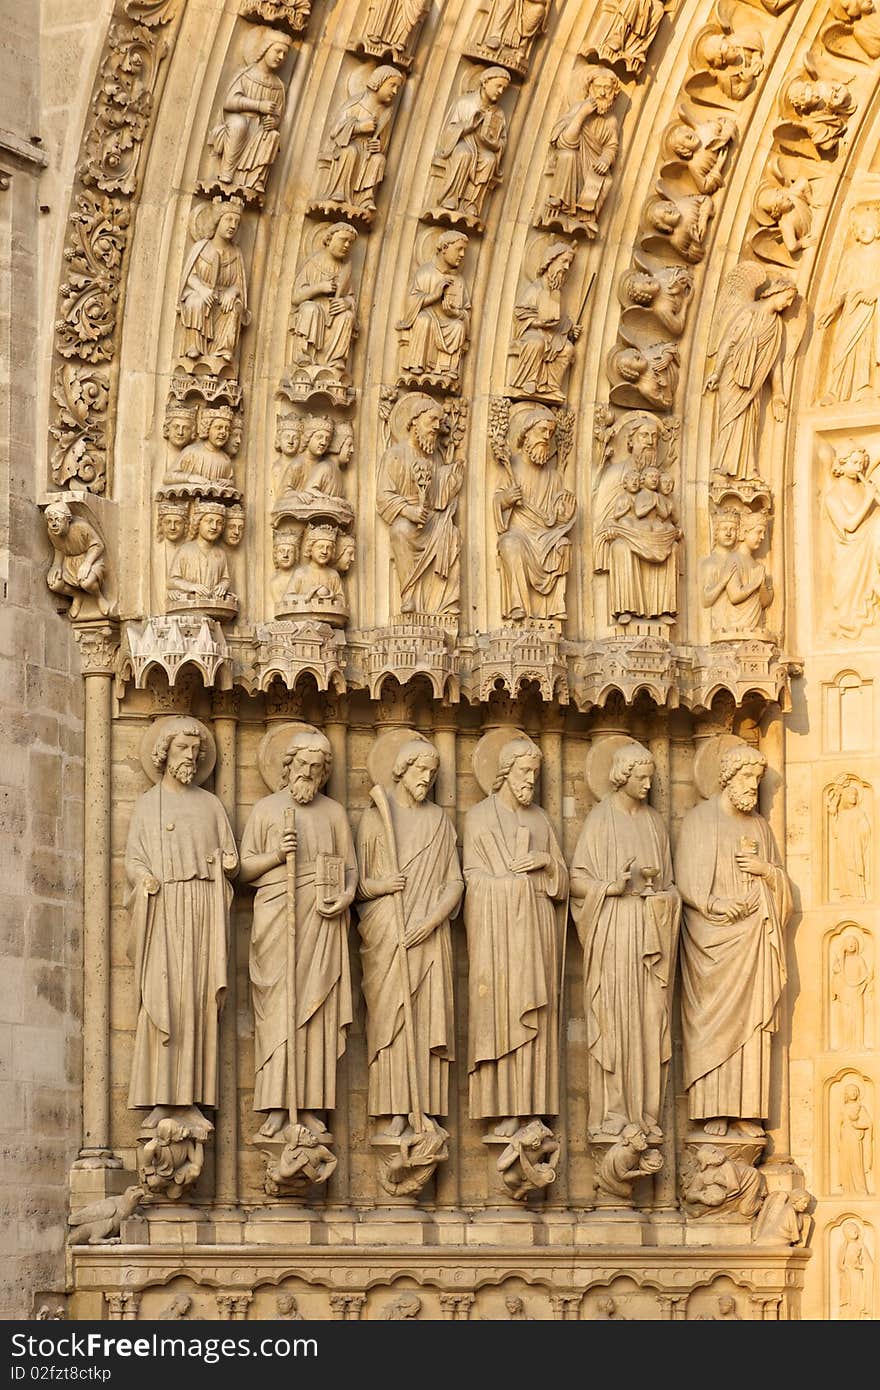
point(753, 345)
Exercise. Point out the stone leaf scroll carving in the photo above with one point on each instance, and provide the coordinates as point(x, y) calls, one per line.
point(533, 508)
point(179, 856)
point(515, 906)
point(298, 853)
point(410, 887)
point(626, 910)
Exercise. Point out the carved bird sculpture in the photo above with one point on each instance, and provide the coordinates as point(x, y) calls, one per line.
point(100, 1221)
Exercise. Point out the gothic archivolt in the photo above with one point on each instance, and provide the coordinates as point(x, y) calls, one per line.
point(453, 368)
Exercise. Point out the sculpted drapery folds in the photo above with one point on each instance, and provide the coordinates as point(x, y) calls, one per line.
point(544, 335)
point(637, 545)
point(179, 855)
point(324, 321)
point(246, 140)
point(515, 905)
point(326, 878)
point(199, 575)
point(427, 888)
point(850, 504)
point(353, 160)
point(79, 559)
point(393, 21)
point(533, 516)
point(853, 316)
point(626, 909)
point(417, 496)
point(467, 161)
point(437, 317)
point(583, 148)
point(750, 345)
point(627, 31)
point(213, 303)
point(510, 26)
point(737, 901)
point(735, 585)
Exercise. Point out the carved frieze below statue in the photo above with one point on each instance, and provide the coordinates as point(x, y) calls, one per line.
point(729, 873)
point(784, 1219)
point(297, 851)
point(544, 335)
point(390, 29)
point(529, 1160)
point(534, 512)
point(467, 161)
point(78, 569)
point(852, 319)
point(420, 478)
point(323, 322)
point(734, 584)
point(584, 144)
point(179, 855)
point(410, 887)
point(626, 910)
point(173, 642)
point(245, 141)
point(515, 905)
point(505, 31)
point(624, 32)
point(752, 344)
point(435, 327)
point(621, 1162)
point(299, 1158)
point(353, 158)
point(213, 301)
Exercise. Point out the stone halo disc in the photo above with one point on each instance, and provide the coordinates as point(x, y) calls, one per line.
point(707, 762)
point(273, 746)
point(487, 752)
point(383, 754)
point(165, 725)
point(599, 759)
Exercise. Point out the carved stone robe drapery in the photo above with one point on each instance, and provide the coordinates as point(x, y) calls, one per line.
point(326, 338)
point(245, 147)
point(426, 557)
point(437, 317)
point(323, 979)
point(747, 356)
point(427, 855)
point(629, 964)
point(469, 152)
point(533, 545)
point(515, 925)
point(732, 974)
point(196, 567)
point(180, 936)
point(209, 272)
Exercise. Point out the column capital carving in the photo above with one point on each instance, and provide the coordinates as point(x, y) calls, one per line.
point(98, 644)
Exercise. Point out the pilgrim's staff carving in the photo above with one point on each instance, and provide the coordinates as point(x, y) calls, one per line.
point(544, 335)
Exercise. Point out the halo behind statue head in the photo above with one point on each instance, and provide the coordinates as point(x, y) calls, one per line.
point(383, 754)
point(273, 746)
point(488, 752)
point(599, 760)
point(176, 723)
point(707, 762)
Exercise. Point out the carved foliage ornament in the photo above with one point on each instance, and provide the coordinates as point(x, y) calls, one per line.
point(80, 430)
point(90, 293)
point(122, 108)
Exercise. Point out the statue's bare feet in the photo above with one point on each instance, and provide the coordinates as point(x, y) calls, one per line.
point(717, 1128)
point(751, 1129)
point(397, 1126)
point(273, 1124)
point(505, 1129)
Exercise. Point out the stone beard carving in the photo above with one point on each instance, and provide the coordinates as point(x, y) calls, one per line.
point(354, 157)
point(626, 909)
point(324, 319)
point(700, 148)
point(199, 576)
point(414, 886)
point(246, 140)
point(637, 537)
point(626, 32)
point(664, 293)
point(467, 161)
point(436, 320)
point(815, 116)
point(391, 24)
point(679, 223)
point(534, 513)
point(715, 1183)
point(855, 1269)
point(851, 979)
point(737, 901)
point(849, 840)
point(728, 62)
point(506, 29)
point(517, 891)
point(544, 335)
point(179, 855)
point(318, 899)
point(750, 346)
point(417, 497)
point(583, 149)
point(855, 1150)
point(79, 560)
point(735, 586)
point(852, 319)
point(213, 295)
point(850, 505)
point(204, 464)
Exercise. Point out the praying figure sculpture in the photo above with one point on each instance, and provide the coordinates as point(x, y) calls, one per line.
point(213, 304)
point(626, 909)
point(737, 902)
point(246, 140)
